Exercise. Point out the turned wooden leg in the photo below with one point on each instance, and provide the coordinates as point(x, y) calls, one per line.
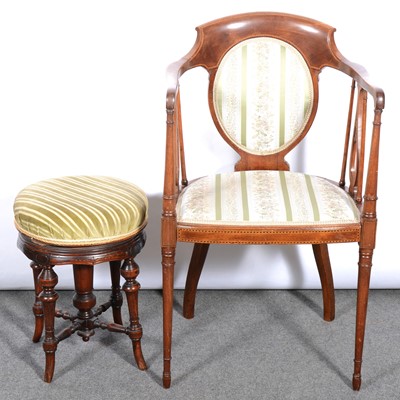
point(130, 271)
point(364, 273)
point(168, 263)
point(116, 296)
point(84, 299)
point(199, 255)
point(38, 305)
point(321, 255)
point(48, 280)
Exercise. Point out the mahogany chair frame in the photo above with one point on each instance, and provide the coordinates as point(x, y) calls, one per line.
point(315, 41)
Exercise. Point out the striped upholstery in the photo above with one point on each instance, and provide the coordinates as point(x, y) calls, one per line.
point(80, 210)
point(277, 198)
point(263, 94)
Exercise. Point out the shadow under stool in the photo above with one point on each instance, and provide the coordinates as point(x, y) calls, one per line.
point(82, 221)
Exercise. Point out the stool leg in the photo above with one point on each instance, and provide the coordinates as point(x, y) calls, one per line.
point(84, 299)
point(130, 271)
point(48, 280)
point(38, 305)
point(116, 297)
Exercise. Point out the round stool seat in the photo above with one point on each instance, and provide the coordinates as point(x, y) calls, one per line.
point(82, 221)
point(80, 210)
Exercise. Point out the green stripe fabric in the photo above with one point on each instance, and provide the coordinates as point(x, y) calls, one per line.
point(243, 99)
point(313, 199)
point(263, 95)
point(265, 198)
point(282, 99)
point(218, 202)
point(80, 210)
point(245, 200)
point(219, 98)
point(285, 195)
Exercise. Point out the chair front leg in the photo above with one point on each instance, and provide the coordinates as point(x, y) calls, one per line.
point(364, 274)
point(48, 280)
point(168, 264)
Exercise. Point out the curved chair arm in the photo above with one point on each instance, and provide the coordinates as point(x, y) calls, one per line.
point(362, 77)
point(174, 72)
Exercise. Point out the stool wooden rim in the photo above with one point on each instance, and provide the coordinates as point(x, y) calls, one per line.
point(44, 253)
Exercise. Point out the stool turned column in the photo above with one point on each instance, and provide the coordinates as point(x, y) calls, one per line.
point(84, 299)
point(38, 305)
point(116, 296)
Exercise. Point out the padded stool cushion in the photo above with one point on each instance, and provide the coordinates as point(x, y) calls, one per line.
point(278, 198)
point(81, 210)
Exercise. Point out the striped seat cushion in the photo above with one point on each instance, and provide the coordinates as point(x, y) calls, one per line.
point(80, 210)
point(276, 198)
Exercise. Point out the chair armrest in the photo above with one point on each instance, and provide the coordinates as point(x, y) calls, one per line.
point(174, 72)
point(361, 76)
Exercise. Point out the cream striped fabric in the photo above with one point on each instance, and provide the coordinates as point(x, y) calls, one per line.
point(265, 198)
point(263, 94)
point(80, 210)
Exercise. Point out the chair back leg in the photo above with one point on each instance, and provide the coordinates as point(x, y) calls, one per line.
point(199, 255)
point(321, 255)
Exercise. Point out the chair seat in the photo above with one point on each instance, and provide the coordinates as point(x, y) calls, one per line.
point(80, 210)
point(265, 198)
